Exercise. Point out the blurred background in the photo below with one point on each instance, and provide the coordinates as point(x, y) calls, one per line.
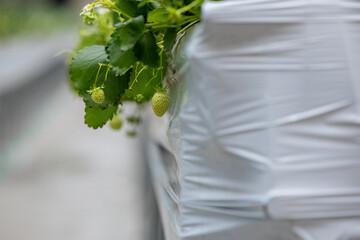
point(59, 179)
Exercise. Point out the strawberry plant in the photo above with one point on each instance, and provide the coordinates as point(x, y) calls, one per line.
point(124, 51)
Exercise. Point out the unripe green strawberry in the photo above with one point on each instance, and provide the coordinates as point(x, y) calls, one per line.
point(98, 95)
point(116, 123)
point(160, 103)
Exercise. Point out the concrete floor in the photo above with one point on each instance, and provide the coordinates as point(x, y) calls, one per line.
point(65, 181)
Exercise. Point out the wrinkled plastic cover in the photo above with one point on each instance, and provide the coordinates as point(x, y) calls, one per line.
point(265, 124)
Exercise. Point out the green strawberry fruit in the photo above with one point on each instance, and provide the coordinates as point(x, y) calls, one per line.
point(116, 123)
point(160, 103)
point(98, 95)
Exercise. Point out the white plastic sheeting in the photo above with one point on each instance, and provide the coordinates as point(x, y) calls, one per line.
point(265, 124)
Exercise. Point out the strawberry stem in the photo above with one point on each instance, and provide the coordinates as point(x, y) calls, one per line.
point(97, 75)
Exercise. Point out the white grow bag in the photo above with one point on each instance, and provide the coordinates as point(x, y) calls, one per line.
point(265, 124)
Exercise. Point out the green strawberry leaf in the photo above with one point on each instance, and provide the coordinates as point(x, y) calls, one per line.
point(121, 60)
point(159, 15)
point(128, 33)
point(120, 46)
point(97, 117)
point(143, 3)
point(128, 8)
point(147, 51)
point(120, 71)
point(169, 38)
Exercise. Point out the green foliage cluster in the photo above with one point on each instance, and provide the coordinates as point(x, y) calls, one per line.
point(124, 50)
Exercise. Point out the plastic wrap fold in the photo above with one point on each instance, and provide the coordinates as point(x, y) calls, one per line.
point(265, 124)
